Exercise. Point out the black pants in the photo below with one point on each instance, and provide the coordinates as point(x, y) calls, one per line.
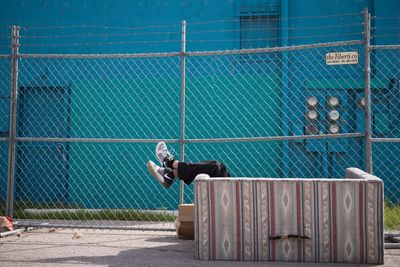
point(188, 171)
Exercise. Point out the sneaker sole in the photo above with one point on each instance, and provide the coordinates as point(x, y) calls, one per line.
point(154, 173)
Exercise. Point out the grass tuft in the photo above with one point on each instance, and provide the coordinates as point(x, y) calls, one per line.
point(392, 216)
point(87, 215)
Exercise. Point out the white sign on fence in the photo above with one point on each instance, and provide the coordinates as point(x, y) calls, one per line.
point(340, 58)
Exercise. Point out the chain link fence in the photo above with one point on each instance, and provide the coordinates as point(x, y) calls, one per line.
point(87, 124)
point(84, 103)
point(251, 96)
point(4, 122)
point(385, 105)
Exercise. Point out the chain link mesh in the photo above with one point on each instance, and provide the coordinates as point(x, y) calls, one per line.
point(119, 99)
point(100, 98)
point(86, 126)
point(385, 108)
point(252, 95)
point(4, 121)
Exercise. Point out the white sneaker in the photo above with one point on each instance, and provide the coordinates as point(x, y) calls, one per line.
point(164, 176)
point(162, 153)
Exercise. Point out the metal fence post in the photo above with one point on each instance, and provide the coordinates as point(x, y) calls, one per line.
point(13, 120)
point(367, 84)
point(183, 85)
point(285, 87)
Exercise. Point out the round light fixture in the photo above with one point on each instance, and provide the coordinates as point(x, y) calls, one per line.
point(361, 102)
point(312, 101)
point(334, 128)
point(333, 101)
point(333, 115)
point(312, 115)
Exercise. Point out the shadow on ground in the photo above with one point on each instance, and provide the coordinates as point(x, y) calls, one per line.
point(43, 248)
point(179, 253)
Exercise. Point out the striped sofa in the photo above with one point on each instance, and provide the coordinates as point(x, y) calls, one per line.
point(312, 220)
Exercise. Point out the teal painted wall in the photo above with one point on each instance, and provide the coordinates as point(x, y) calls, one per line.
point(3, 170)
point(106, 103)
point(114, 175)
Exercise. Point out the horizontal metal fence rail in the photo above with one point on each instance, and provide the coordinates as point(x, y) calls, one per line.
point(94, 140)
point(83, 225)
point(196, 53)
point(385, 47)
point(275, 138)
point(274, 49)
point(386, 140)
point(104, 56)
point(206, 140)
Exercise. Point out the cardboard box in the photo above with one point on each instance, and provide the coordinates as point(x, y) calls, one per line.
point(186, 212)
point(184, 224)
point(184, 229)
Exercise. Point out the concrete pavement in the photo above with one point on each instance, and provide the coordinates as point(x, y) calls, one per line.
point(70, 247)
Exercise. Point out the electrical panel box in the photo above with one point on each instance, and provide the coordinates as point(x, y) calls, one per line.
point(313, 120)
point(381, 123)
point(342, 111)
point(331, 115)
point(380, 112)
point(394, 107)
point(360, 113)
point(297, 127)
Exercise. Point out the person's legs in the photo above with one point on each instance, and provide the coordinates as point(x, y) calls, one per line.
point(184, 170)
point(188, 171)
point(164, 176)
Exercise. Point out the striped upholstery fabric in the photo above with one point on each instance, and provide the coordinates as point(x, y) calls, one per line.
point(313, 220)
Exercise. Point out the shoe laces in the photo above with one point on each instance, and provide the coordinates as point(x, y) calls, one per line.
point(168, 160)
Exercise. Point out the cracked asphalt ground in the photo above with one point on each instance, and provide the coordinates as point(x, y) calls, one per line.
point(73, 247)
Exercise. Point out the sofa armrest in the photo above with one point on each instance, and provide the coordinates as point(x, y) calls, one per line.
point(355, 173)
